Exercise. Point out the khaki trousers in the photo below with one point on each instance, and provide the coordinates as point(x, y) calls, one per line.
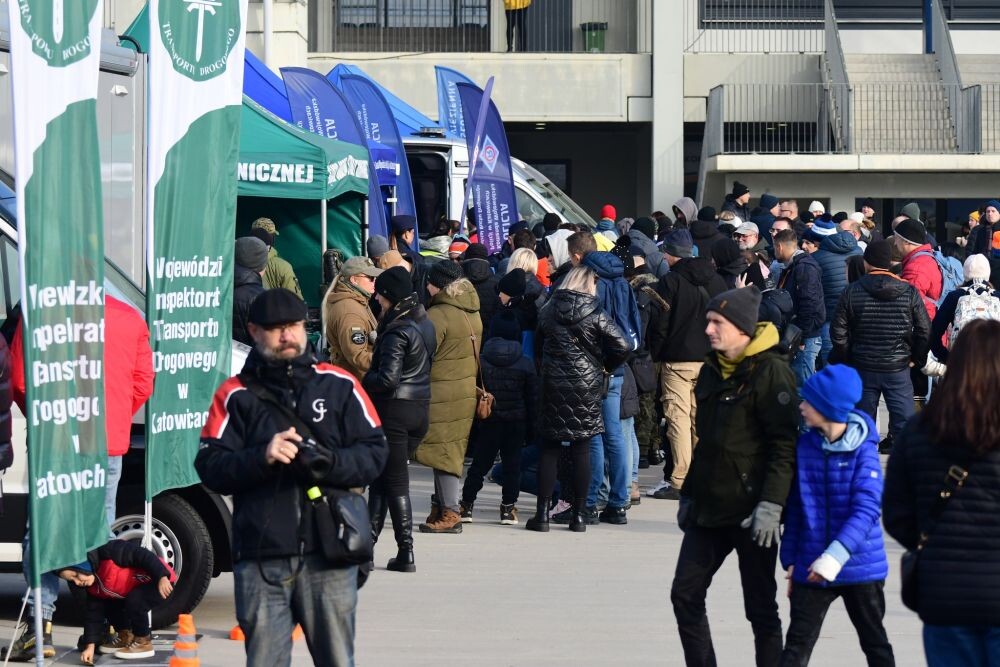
point(677, 380)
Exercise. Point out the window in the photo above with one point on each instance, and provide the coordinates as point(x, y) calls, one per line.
point(527, 208)
point(413, 13)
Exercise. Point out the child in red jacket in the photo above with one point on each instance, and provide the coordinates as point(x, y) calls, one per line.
point(124, 582)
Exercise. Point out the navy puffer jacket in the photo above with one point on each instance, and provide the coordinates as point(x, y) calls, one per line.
point(832, 259)
point(510, 377)
point(615, 297)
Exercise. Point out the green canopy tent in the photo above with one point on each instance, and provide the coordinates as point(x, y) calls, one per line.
point(314, 188)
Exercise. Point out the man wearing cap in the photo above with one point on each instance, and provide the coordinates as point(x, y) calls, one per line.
point(678, 342)
point(835, 247)
point(881, 328)
point(251, 260)
point(348, 319)
point(403, 236)
point(738, 201)
point(748, 237)
point(920, 269)
point(253, 450)
point(278, 272)
point(740, 475)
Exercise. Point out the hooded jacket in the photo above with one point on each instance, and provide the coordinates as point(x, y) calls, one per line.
point(481, 275)
point(688, 208)
point(747, 423)
point(349, 323)
point(832, 259)
point(651, 253)
point(705, 233)
point(921, 270)
point(835, 505)
point(453, 379)
point(247, 285)
point(730, 263)
point(880, 325)
point(803, 280)
point(741, 210)
point(271, 516)
point(279, 273)
point(577, 343)
point(677, 333)
point(401, 361)
point(510, 377)
point(615, 297)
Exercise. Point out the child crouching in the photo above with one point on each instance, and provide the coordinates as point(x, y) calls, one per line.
point(124, 582)
point(832, 545)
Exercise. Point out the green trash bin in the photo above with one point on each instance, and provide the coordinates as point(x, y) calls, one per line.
point(593, 36)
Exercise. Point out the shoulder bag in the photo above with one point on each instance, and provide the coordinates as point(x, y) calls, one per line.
point(484, 399)
point(910, 592)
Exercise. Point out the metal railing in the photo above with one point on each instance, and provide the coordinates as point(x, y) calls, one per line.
point(753, 26)
point(835, 66)
point(989, 98)
point(467, 26)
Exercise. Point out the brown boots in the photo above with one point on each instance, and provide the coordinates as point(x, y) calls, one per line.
point(447, 521)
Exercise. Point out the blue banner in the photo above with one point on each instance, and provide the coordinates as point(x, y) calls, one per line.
point(491, 178)
point(449, 103)
point(320, 108)
point(378, 124)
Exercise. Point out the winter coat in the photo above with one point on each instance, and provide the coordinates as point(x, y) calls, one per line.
point(764, 221)
point(651, 253)
point(958, 571)
point(630, 395)
point(349, 323)
point(747, 426)
point(270, 512)
point(880, 325)
point(510, 377)
point(730, 262)
point(481, 276)
point(832, 259)
point(758, 257)
point(944, 319)
point(577, 343)
point(837, 495)
point(705, 233)
point(741, 210)
point(128, 371)
point(615, 297)
point(677, 333)
point(534, 298)
point(651, 307)
point(279, 273)
point(401, 360)
point(453, 380)
point(803, 280)
point(6, 395)
point(921, 270)
point(247, 285)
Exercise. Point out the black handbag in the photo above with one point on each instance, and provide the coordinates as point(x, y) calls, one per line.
point(910, 592)
point(644, 370)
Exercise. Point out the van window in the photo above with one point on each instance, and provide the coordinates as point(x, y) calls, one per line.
point(429, 175)
point(528, 209)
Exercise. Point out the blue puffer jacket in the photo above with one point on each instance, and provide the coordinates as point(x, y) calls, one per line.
point(615, 297)
point(837, 498)
point(832, 259)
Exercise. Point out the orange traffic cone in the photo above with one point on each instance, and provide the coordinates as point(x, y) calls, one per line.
point(297, 633)
point(236, 634)
point(185, 647)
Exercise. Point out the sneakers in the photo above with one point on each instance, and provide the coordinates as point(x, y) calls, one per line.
point(668, 493)
point(23, 648)
point(643, 463)
point(508, 515)
point(559, 507)
point(465, 511)
point(450, 522)
point(635, 496)
point(662, 484)
point(614, 515)
point(140, 648)
point(655, 457)
point(116, 643)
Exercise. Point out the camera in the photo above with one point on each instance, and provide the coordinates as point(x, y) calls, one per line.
point(313, 461)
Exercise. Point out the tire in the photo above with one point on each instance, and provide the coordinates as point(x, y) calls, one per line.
point(180, 537)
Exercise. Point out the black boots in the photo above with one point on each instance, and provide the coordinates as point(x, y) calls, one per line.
point(402, 527)
point(540, 522)
point(377, 508)
point(578, 522)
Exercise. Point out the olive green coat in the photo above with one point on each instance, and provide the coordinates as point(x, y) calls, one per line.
point(453, 380)
point(279, 273)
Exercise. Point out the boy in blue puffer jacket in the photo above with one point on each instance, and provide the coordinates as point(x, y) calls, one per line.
point(832, 545)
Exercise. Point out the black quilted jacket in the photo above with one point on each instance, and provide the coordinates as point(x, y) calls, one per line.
point(401, 360)
point(578, 343)
point(959, 570)
point(510, 377)
point(880, 325)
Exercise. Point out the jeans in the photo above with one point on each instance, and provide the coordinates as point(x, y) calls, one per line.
point(49, 585)
point(610, 445)
point(826, 346)
point(865, 604)
point(111, 489)
point(631, 447)
point(702, 553)
point(898, 392)
point(515, 21)
point(962, 645)
point(321, 598)
point(508, 439)
point(132, 613)
point(804, 361)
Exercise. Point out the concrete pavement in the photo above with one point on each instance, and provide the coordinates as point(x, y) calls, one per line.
point(500, 595)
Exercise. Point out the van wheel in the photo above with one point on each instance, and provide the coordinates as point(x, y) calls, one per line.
point(181, 539)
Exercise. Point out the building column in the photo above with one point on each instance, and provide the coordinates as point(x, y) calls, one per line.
point(290, 32)
point(668, 107)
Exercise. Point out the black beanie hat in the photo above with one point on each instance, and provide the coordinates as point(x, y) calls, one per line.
point(444, 273)
point(806, 217)
point(879, 254)
point(739, 189)
point(708, 214)
point(646, 226)
point(869, 202)
point(512, 284)
point(394, 284)
point(476, 251)
point(839, 217)
point(277, 306)
point(911, 231)
point(505, 325)
point(551, 222)
point(739, 306)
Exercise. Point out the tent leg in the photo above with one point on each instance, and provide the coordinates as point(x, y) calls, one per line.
point(322, 223)
point(364, 228)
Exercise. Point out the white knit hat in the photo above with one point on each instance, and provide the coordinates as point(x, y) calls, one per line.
point(857, 216)
point(977, 267)
point(816, 206)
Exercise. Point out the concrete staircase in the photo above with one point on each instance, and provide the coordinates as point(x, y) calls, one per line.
point(899, 105)
point(984, 71)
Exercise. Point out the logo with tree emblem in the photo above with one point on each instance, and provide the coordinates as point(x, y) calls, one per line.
point(59, 30)
point(199, 35)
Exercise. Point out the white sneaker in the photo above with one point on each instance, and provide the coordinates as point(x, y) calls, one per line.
point(561, 506)
point(662, 484)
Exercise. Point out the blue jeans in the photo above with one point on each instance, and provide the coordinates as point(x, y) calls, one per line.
point(632, 447)
point(962, 645)
point(610, 445)
point(826, 345)
point(321, 598)
point(898, 392)
point(804, 361)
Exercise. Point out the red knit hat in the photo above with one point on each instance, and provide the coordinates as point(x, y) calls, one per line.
point(608, 211)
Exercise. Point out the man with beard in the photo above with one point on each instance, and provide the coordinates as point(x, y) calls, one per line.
point(284, 427)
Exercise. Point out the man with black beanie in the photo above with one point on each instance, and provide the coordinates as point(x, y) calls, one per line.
point(740, 476)
point(738, 201)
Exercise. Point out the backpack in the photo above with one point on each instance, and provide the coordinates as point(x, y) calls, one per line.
point(978, 303)
point(951, 273)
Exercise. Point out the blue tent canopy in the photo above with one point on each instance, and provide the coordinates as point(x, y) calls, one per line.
point(265, 87)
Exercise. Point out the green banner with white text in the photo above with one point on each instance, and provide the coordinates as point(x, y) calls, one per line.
point(55, 60)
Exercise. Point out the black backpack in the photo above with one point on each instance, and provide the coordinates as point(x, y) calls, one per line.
point(777, 307)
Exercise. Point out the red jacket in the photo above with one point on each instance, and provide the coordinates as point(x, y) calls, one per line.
point(924, 274)
point(128, 371)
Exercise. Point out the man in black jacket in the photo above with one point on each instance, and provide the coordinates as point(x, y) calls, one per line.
point(881, 328)
point(248, 283)
point(252, 450)
point(678, 341)
point(803, 280)
point(738, 201)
